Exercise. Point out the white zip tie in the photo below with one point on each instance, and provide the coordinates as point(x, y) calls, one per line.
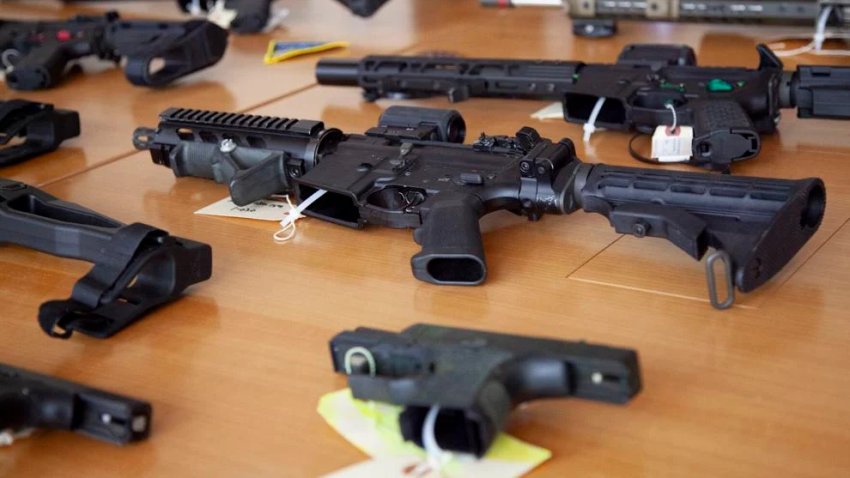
point(437, 458)
point(815, 46)
point(287, 225)
point(590, 127)
point(6, 59)
point(672, 108)
point(350, 353)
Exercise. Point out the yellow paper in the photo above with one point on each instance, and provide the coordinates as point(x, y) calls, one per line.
point(373, 428)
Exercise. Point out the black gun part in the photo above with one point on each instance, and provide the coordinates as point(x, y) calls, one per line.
point(252, 16)
point(136, 267)
point(412, 172)
point(29, 129)
point(156, 52)
point(30, 400)
point(476, 378)
point(363, 8)
point(728, 107)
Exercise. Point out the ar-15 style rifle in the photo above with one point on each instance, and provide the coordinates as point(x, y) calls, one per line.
point(411, 171)
point(648, 87)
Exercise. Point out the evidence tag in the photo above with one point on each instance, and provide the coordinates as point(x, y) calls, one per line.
point(672, 145)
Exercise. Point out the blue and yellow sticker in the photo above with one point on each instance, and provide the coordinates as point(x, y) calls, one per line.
point(279, 51)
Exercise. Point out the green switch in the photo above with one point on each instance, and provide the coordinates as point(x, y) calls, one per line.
point(719, 86)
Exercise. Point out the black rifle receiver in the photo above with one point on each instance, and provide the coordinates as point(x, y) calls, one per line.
point(41, 127)
point(728, 107)
point(412, 172)
point(31, 400)
point(476, 378)
point(136, 267)
point(156, 52)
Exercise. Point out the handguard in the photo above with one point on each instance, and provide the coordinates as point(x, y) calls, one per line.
point(475, 378)
point(412, 171)
point(30, 400)
point(136, 267)
point(41, 127)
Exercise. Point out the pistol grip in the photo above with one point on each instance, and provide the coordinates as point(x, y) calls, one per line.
point(452, 251)
point(723, 134)
point(43, 67)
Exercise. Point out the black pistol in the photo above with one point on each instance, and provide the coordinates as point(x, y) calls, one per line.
point(30, 400)
point(475, 378)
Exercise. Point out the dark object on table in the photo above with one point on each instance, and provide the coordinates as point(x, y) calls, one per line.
point(41, 127)
point(411, 171)
point(475, 378)
point(728, 107)
point(136, 267)
point(30, 400)
point(36, 53)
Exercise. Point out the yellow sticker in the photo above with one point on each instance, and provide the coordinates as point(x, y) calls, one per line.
point(373, 428)
point(279, 51)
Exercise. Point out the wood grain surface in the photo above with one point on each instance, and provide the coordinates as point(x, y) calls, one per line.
point(235, 369)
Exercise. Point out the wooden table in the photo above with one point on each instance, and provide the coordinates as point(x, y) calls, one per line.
point(235, 369)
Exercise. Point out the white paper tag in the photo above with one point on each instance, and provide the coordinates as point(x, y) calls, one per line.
point(221, 16)
point(263, 210)
point(669, 146)
point(553, 111)
point(410, 466)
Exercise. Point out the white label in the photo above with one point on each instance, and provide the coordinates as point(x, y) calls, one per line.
point(672, 146)
point(553, 111)
point(263, 210)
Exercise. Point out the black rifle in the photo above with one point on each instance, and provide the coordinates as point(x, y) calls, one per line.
point(412, 172)
point(156, 52)
point(727, 107)
point(475, 378)
point(136, 267)
point(252, 16)
point(31, 400)
point(41, 128)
